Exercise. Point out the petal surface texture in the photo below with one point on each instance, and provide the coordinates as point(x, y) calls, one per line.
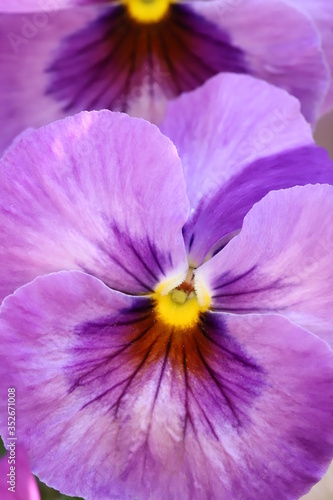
point(242, 410)
point(251, 138)
point(101, 192)
point(281, 262)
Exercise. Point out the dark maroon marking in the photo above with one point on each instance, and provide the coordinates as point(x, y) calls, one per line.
point(116, 356)
point(104, 64)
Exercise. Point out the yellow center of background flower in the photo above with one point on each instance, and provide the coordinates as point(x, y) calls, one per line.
point(147, 11)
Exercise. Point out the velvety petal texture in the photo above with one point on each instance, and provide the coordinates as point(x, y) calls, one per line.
point(100, 192)
point(251, 138)
point(281, 262)
point(244, 403)
point(14, 466)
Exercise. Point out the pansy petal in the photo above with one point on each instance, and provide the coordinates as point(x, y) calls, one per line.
point(101, 192)
point(321, 12)
point(245, 414)
point(286, 53)
point(281, 262)
point(16, 479)
point(26, 48)
point(246, 143)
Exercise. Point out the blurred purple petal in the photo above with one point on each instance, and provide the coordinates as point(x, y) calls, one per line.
point(282, 46)
point(117, 58)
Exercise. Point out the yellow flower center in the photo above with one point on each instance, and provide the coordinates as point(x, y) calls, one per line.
point(147, 11)
point(180, 307)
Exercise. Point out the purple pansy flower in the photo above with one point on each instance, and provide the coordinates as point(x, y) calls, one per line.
point(164, 333)
point(59, 57)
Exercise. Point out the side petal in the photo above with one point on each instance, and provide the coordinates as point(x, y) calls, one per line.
point(287, 53)
point(16, 479)
point(281, 262)
point(101, 192)
point(321, 12)
point(251, 138)
point(249, 418)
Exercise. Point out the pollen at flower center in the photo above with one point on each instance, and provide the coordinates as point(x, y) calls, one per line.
point(180, 307)
point(147, 11)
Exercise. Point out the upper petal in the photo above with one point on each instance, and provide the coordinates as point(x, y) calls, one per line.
point(251, 138)
point(282, 260)
point(110, 410)
point(282, 46)
point(101, 192)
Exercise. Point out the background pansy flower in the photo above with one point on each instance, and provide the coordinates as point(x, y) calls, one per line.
point(58, 58)
point(139, 371)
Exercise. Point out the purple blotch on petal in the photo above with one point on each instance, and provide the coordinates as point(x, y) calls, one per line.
point(110, 62)
point(300, 166)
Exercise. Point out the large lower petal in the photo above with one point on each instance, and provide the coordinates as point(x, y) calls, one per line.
point(281, 45)
point(282, 260)
point(101, 192)
point(113, 405)
point(251, 138)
